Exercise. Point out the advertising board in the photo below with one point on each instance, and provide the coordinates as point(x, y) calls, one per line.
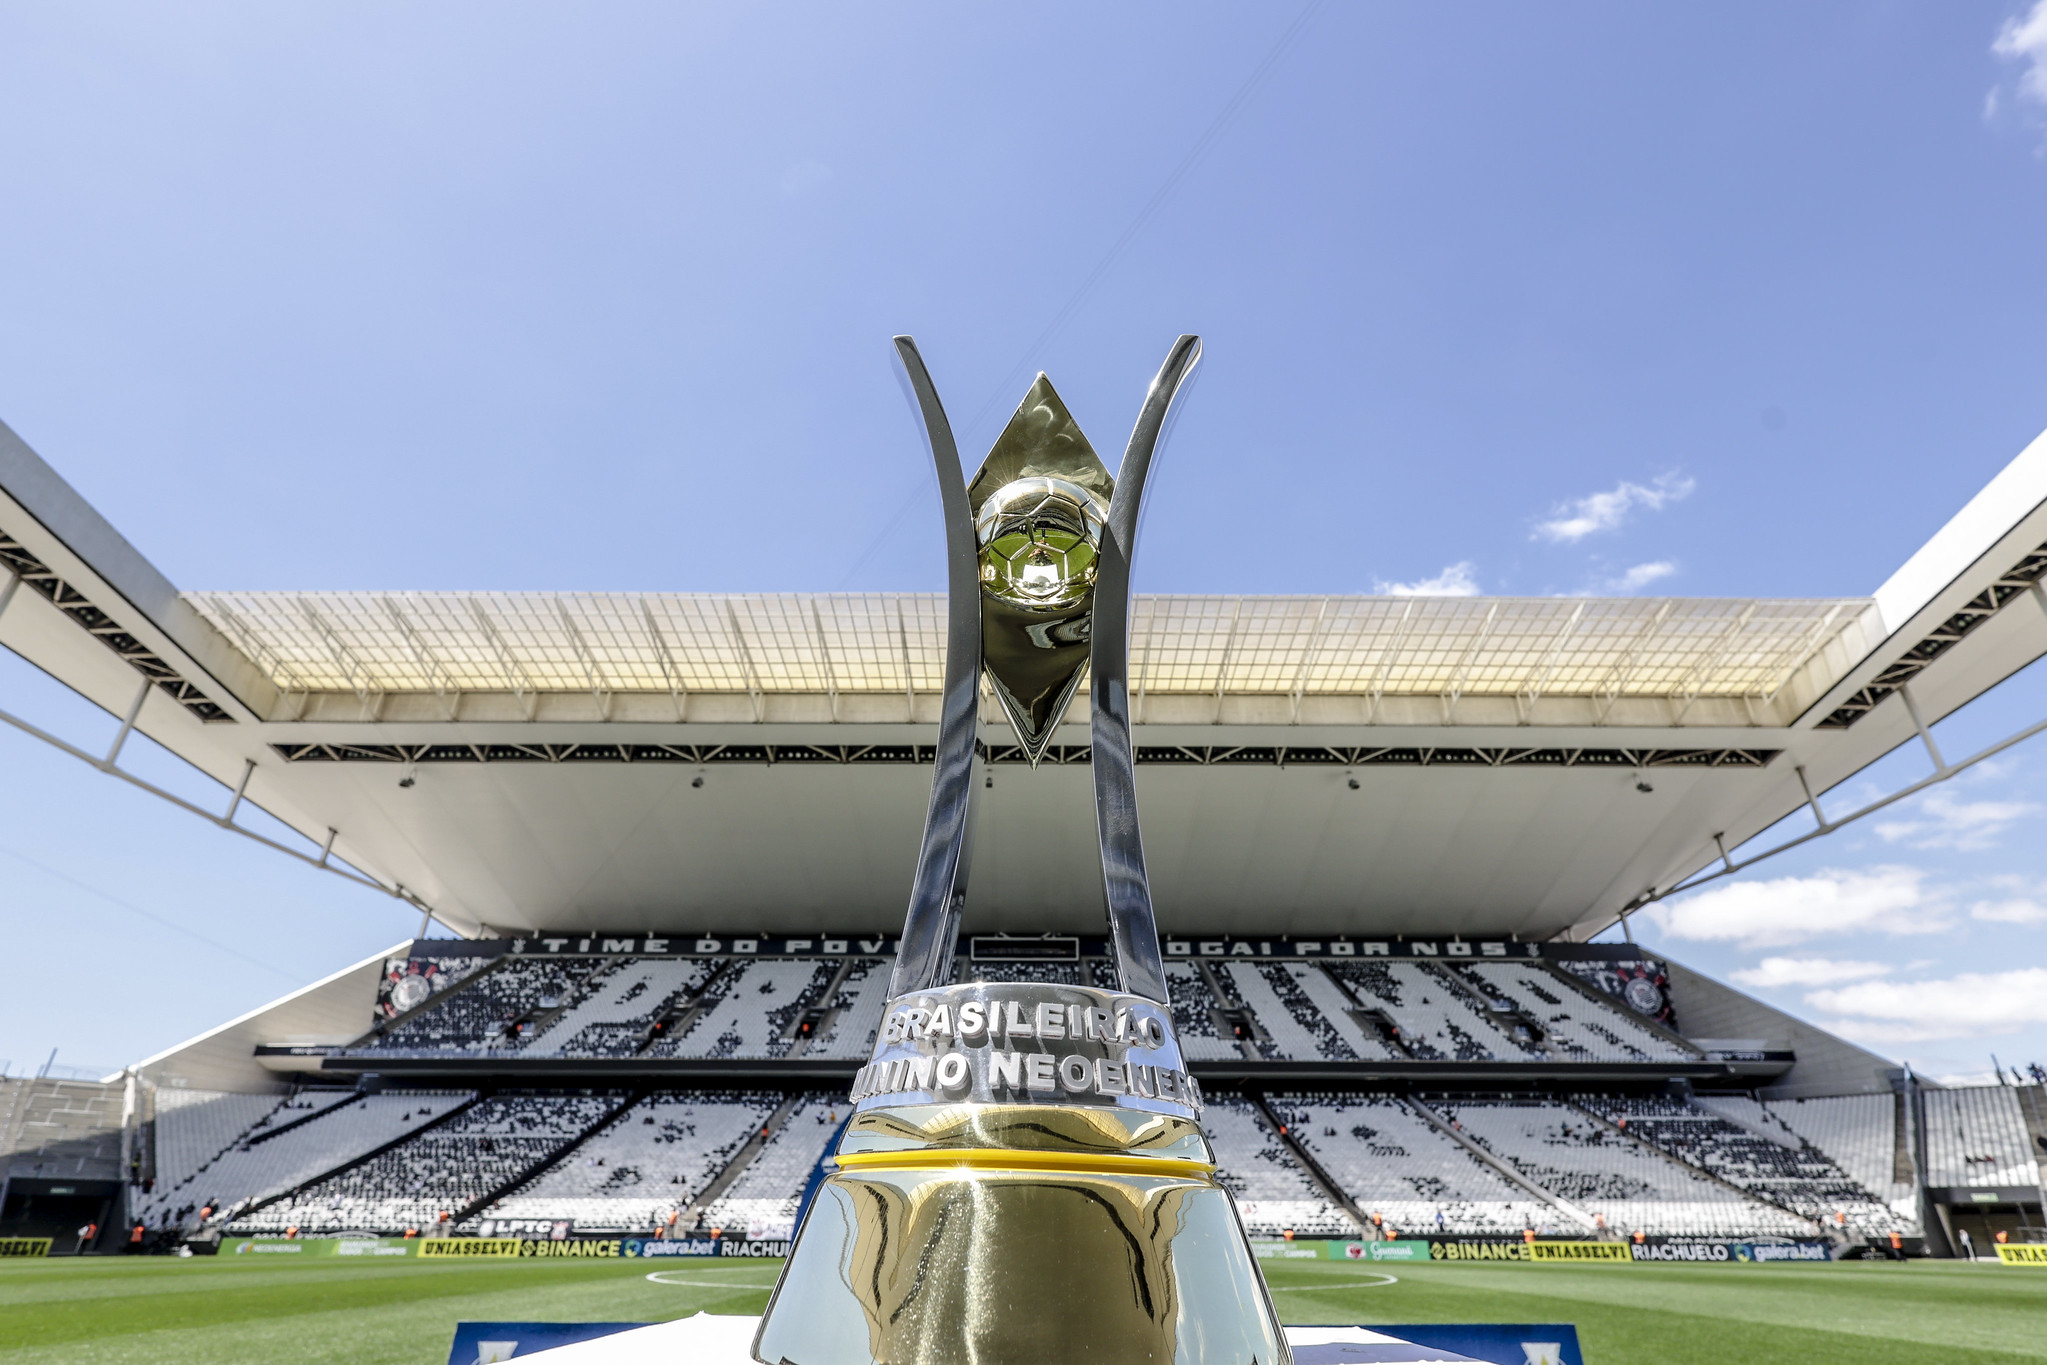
point(1540, 1250)
point(1403, 1249)
point(600, 1248)
point(316, 1246)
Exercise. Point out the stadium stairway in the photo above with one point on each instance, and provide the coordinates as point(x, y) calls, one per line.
point(541, 1167)
point(253, 1138)
point(1333, 1192)
point(1505, 1170)
point(1708, 1173)
point(741, 1159)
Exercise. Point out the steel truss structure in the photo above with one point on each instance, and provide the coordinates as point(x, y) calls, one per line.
point(1264, 755)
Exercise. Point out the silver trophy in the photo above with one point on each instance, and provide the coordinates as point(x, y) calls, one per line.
point(1024, 1180)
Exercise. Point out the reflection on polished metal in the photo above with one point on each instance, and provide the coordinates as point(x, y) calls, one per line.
point(1024, 1178)
point(1040, 500)
point(1132, 929)
point(939, 891)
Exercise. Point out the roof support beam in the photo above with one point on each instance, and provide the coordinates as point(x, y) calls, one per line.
point(1798, 657)
point(1456, 688)
point(1695, 681)
point(360, 679)
point(515, 673)
point(677, 691)
point(1539, 676)
point(127, 724)
point(824, 659)
point(1392, 652)
point(1805, 785)
point(593, 672)
point(1919, 724)
point(241, 790)
point(1625, 667)
point(225, 822)
point(1308, 661)
point(423, 655)
point(1729, 868)
point(753, 682)
point(1222, 672)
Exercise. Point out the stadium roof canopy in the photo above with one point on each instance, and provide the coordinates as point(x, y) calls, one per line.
point(1374, 765)
point(789, 657)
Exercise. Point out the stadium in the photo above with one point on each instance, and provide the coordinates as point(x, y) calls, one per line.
point(659, 844)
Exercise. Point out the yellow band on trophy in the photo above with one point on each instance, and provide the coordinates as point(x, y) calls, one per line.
point(1014, 1159)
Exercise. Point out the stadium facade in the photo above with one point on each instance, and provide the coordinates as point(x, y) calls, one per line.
point(668, 838)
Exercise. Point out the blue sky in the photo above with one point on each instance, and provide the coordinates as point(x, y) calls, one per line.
point(1510, 298)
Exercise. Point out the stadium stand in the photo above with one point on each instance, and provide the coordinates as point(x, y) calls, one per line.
point(195, 1126)
point(748, 1008)
point(1859, 1132)
point(1316, 1161)
point(1421, 1014)
point(1742, 1144)
point(495, 1010)
point(1273, 1193)
point(1398, 1167)
point(855, 1016)
point(1197, 1014)
point(289, 1144)
point(437, 1171)
point(1573, 1025)
point(613, 1011)
point(1631, 1187)
point(1978, 1137)
point(771, 1007)
point(1292, 1025)
point(649, 1164)
point(764, 1197)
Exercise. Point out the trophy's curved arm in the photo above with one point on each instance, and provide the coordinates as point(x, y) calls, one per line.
point(931, 927)
point(1132, 928)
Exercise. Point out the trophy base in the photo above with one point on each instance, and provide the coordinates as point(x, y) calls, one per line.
point(1020, 1258)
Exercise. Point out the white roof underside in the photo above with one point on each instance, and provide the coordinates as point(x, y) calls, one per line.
point(415, 642)
point(1304, 764)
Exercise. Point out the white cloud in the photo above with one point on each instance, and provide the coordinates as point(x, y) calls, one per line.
point(1768, 914)
point(1944, 820)
point(1807, 971)
point(1641, 576)
point(2017, 910)
point(1575, 520)
point(1972, 1005)
point(1456, 580)
point(2025, 40)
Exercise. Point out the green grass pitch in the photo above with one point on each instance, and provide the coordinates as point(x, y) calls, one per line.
point(159, 1311)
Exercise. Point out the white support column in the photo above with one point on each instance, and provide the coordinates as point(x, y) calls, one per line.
point(134, 711)
point(1919, 724)
point(241, 789)
point(327, 849)
point(1810, 799)
point(7, 593)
